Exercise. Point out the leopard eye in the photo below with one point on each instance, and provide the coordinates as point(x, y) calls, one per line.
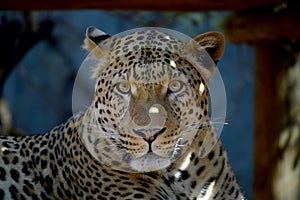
point(176, 86)
point(123, 87)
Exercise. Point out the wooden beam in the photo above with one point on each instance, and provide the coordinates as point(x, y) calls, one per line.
point(174, 5)
point(269, 113)
point(275, 35)
point(276, 121)
point(254, 26)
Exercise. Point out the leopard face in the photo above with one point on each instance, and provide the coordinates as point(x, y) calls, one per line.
point(150, 99)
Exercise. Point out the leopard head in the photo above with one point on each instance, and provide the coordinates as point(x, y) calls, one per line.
point(151, 95)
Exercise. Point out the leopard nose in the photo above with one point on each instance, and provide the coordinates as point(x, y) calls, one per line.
point(149, 134)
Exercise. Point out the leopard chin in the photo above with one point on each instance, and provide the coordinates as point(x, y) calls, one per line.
point(149, 162)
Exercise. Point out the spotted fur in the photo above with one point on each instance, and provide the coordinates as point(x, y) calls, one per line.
point(146, 135)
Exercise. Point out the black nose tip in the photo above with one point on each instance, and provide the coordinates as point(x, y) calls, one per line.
point(149, 134)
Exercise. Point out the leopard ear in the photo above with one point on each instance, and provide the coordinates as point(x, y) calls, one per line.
point(93, 37)
point(213, 43)
point(205, 51)
point(93, 43)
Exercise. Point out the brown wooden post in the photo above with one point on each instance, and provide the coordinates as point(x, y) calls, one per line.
point(268, 112)
point(277, 100)
point(276, 171)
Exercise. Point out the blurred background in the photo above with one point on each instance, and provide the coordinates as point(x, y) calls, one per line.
point(41, 54)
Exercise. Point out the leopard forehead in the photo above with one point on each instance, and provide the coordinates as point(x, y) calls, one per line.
point(145, 50)
point(149, 56)
point(152, 39)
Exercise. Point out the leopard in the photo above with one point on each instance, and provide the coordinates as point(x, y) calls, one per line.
point(147, 134)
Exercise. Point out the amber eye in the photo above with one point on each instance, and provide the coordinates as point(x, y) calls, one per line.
point(123, 87)
point(176, 86)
